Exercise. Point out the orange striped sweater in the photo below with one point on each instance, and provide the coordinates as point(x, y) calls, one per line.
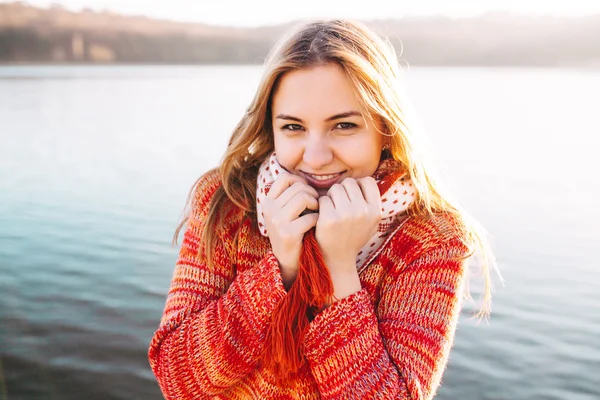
point(390, 340)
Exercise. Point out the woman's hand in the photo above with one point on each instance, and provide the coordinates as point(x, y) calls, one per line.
point(348, 217)
point(288, 197)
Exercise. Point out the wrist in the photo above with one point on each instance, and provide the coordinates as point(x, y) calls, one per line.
point(341, 266)
point(345, 284)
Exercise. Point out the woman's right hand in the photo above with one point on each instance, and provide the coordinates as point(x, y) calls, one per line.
point(288, 197)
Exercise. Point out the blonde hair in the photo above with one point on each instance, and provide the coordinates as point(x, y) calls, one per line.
point(371, 64)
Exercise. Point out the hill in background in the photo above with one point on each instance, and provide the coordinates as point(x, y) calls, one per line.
point(56, 35)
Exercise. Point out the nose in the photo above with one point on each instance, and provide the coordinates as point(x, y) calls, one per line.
point(317, 153)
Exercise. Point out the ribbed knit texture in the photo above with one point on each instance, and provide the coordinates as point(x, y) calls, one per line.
point(390, 340)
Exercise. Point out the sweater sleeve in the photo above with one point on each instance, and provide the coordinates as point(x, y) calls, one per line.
point(400, 349)
point(214, 324)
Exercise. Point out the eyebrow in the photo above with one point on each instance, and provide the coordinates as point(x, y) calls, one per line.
point(332, 118)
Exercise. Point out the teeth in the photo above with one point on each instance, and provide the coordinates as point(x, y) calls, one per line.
point(323, 177)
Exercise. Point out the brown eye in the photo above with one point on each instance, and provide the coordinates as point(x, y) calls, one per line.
point(292, 127)
point(346, 125)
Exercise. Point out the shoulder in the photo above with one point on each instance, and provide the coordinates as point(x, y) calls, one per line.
point(207, 196)
point(439, 234)
point(203, 191)
point(438, 227)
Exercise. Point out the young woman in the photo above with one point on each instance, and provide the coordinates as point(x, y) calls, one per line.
point(320, 259)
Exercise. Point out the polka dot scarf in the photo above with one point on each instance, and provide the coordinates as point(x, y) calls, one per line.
point(397, 193)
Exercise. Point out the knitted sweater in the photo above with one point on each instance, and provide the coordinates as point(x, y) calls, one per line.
point(390, 340)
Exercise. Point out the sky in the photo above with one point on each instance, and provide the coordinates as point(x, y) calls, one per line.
point(271, 12)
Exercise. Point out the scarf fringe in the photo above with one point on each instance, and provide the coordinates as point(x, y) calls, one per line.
point(309, 293)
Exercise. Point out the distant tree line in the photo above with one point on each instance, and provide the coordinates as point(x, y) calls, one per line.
point(26, 45)
point(491, 40)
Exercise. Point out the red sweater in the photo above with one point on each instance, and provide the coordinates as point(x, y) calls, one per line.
point(388, 341)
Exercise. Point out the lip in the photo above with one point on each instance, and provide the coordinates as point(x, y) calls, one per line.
point(322, 184)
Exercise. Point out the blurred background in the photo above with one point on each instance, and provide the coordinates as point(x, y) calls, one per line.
point(110, 110)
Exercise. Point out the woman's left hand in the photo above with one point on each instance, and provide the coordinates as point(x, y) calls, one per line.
point(348, 217)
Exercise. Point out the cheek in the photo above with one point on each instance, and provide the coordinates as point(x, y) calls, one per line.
point(288, 153)
point(363, 157)
point(373, 155)
point(370, 161)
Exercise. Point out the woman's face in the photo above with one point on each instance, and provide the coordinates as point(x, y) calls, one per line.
point(319, 131)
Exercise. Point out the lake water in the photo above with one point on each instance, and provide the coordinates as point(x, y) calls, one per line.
point(96, 164)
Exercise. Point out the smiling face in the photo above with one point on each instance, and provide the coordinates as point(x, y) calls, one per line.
point(319, 130)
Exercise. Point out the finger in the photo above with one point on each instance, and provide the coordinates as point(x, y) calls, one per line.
point(338, 196)
point(354, 191)
point(283, 182)
point(298, 204)
point(370, 190)
point(294, 190)
point(313, 206)
point(304, 223)
point(325, 205)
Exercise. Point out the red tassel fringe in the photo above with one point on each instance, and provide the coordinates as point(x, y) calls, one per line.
point(309, 293)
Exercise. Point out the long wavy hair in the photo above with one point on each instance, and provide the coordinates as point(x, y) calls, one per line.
point(371, 65)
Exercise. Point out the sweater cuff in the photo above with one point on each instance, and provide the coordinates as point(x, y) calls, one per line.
point(341, 335)
point(262, 289)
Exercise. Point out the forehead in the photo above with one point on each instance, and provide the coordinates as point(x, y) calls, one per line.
point(315, 92)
